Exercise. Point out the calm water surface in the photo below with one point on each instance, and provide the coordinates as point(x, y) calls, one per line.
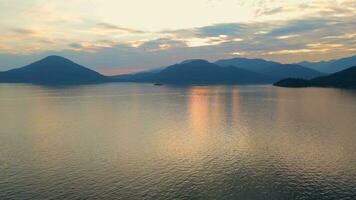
point(132, 141)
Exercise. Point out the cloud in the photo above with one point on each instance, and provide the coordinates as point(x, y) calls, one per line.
point(295, 51)
point(239, 53)
point(45, 41)
point(207, 41)
point(112, 27)
point(262, 12)
point(91, 46)
point(286, 31)
point(283, 37)
point(75, 45)
point(221, 29)
point(162, 44)
point(343, 36)
point(24, 31)
point(209, 35)
point(299, 26)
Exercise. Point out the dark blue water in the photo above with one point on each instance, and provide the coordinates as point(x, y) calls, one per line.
point(132, 141)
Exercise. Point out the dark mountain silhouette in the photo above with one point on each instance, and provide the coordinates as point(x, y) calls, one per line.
point(256, 65)
point(342, 79)
point(274, 70)
point(52, 70)
point(331, 66)
point(55, 70)
point(198, 72)
point(281, 71)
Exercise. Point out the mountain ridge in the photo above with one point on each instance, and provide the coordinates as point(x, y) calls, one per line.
point(198, 72)
point(56, 70)
point(331, 66)
point(342, 79)
point(275, 70)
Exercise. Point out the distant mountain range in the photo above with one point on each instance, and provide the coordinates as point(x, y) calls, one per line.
point(56, 70)
point(198, 72)
point(231, 71)
point(256, 65)
point(52, 70)
point(331, 66)
point(343, 79)
point(275, 71)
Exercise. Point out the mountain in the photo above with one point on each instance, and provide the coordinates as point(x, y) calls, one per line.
point(315, 65)
point(255, 65)
point(52, 70)
point(282, 71)
point(343, 79)
point(331, 66)
point(56, 70)
point(274, 70)
point(198, 72)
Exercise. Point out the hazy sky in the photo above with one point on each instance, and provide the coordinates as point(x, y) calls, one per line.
point(117, 36)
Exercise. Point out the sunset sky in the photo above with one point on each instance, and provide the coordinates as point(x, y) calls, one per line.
point(120, 36)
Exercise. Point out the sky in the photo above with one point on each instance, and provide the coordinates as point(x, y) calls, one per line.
point(122, 36)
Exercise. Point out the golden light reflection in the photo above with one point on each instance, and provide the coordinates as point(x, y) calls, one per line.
point(206, 108)
point(198, 109)
point(208, 112)
point(235, 107)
